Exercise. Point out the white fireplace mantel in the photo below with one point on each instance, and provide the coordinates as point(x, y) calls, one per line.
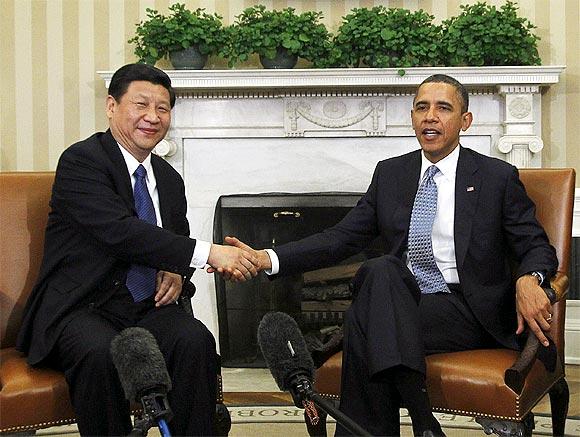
point(362, 94)
point(316, 130)
point(227, 80)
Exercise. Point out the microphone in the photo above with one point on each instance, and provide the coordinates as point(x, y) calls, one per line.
point(292, 367)
point(144, 377)
point(284, 350)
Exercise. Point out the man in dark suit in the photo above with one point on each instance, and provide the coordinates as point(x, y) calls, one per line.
point(450, 219)
point(118, 254)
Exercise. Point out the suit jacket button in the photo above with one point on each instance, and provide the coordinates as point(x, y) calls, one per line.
point(91, 305)
point(117, 283)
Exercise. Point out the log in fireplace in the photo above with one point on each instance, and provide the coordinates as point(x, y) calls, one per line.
point(316, 299)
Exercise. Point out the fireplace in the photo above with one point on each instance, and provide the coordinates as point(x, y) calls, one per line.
point(317, 299)
point(318, 130)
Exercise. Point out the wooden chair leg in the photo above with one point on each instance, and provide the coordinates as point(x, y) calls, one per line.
point(559, 400)
point(318, 430)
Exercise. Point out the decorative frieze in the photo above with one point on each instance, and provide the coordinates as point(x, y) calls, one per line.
point(335, 116)
point(355, 77)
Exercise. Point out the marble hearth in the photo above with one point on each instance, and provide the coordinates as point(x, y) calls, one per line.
point(259, 131)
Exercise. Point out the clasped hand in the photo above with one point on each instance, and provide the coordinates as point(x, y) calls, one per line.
point(237, 261)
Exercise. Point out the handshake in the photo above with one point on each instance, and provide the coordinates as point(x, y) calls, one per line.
point(236, 261)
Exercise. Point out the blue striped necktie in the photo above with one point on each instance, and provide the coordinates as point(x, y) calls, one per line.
point(428, 275)
point(140, 278)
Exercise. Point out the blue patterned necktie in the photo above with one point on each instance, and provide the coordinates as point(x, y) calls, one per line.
point(141, 279)
point(425, 268)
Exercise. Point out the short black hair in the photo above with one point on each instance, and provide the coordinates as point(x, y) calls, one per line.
point(459, 88)
point(135, 72)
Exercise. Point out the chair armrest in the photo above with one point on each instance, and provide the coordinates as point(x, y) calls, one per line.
point(187, 292)
point(559, 285)
point(515, 376)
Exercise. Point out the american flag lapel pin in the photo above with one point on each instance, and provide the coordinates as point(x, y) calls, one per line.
point(469, 189)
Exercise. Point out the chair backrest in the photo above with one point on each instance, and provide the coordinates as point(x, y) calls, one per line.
point(24, 200)
point(552, 190)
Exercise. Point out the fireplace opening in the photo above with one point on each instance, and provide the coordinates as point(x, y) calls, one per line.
point(316, 299)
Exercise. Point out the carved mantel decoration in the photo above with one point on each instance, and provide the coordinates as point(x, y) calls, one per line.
point(257, 131)
point(520, 141)
point(353, 102)
point(335, 116)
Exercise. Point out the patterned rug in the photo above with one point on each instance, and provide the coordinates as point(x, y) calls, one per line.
point(292, 414)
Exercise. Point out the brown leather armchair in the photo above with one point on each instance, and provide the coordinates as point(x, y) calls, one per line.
point(473, 383)
point(33, 398)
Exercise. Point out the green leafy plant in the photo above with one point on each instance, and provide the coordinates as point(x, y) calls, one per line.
point(381, 37)
point(484, 35)
point(160, 35)
point(261, 31)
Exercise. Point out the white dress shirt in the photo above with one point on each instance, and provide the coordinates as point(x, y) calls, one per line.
point(201, 251)
point(442, 234)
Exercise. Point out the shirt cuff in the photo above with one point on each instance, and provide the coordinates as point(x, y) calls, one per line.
point(275, 262)
point(200, 254)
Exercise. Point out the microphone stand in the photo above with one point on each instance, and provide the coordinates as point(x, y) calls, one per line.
point(155, 411)
point(141, 426)
point(301, 390)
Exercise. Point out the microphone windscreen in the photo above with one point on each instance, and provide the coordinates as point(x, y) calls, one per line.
point(284, 348)
point(139, 362)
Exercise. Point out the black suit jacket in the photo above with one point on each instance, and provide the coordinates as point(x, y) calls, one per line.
point(93, 235)
point(494, 223)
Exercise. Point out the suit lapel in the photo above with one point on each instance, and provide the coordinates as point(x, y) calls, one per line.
point(163, 190)
point(467, 189)
point(121, 176)
point(410, 181)
point(407, 184)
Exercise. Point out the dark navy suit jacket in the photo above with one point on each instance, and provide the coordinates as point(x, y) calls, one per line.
point(93, 235)
point(494, 223)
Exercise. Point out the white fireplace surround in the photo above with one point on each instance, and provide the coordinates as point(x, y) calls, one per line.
point(257, 131)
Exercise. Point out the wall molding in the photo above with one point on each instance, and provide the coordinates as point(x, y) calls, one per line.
point(572, 333)
point(576, 218)
point(511, 79)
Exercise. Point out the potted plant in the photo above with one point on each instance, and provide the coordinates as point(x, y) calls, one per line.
point(186, 37)
point(484, 35)
point(279, 37)
point(381, 37)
